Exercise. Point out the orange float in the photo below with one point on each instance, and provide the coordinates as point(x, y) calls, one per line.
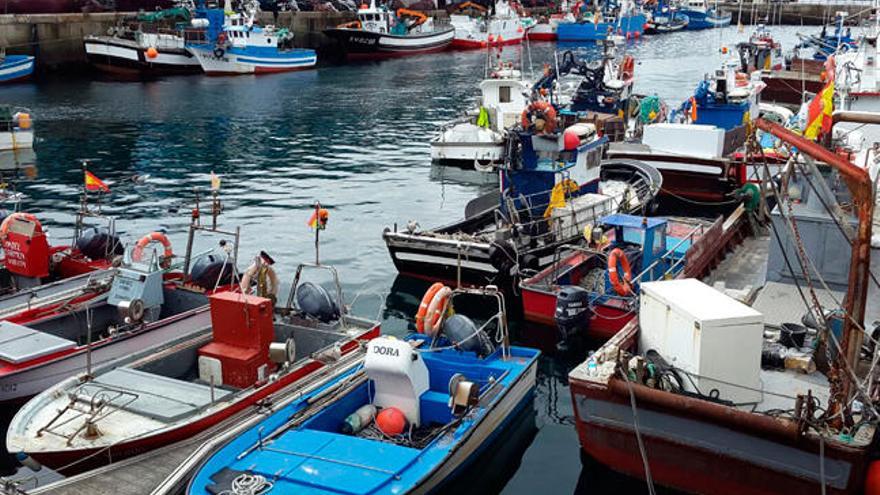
point(544, 108)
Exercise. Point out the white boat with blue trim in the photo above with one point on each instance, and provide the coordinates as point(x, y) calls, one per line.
point(242, 47)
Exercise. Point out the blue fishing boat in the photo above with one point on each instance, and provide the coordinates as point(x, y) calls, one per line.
point(15, 68)
point(702, 16)
point(613, 20)
point(824, 44)
point(420, 411)
point(241, 46)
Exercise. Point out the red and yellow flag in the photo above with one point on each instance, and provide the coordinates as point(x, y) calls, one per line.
point(319, 218)
point(95, 184)
point(820, 109)
point(819, 112)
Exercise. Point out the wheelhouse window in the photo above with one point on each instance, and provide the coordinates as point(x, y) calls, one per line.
point(504, 94)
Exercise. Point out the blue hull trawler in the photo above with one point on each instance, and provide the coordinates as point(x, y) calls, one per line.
point(243, 47)
point(613, 19)
point(418, 412)
point(701, 16)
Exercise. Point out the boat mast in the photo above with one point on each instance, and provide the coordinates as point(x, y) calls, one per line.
point(842, 375)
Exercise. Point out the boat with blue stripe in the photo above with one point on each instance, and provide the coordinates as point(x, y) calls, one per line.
point(449, 397)
point(15, 68)
point(614, 19)
point(242, 47)
point(701, 16)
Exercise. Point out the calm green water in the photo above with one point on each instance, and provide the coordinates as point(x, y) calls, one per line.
point(354, 137)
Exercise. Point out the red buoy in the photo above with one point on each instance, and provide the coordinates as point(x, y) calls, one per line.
point(152, 52)
point(872, 479)
point(391, 421)
point(570, 140)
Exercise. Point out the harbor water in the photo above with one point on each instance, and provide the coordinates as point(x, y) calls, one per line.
point(354, 137)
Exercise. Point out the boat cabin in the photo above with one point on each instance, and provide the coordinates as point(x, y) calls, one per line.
point(504, 98)
point(240, 32)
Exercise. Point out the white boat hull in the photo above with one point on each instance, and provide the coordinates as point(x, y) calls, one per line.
point(240, 63)
point(33, 380)
point(16, 140)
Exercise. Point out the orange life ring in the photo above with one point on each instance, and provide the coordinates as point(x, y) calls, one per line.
point(138, 252)
point(627, 68)
point(19, 215)
point(742, 79)
point(546, 109)
point(430, 314)
point(350, 25)
point(623, 288)
point(221, 38)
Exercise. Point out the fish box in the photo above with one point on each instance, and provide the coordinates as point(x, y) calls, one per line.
point(703, 332)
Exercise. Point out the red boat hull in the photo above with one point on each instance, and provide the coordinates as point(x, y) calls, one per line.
point(461, 44)
point(542, 36)
point(87, 459)
point(689, 451)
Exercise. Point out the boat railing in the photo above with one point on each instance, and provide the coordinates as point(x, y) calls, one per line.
point(91, 408)
point(502, 334)
point(669, 256)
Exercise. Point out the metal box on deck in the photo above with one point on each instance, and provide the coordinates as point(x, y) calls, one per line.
point(704, 332)
point(700, 141)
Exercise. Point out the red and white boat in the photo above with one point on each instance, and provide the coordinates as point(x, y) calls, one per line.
point(242, 352)
point(545, 29)
point(139, 306)
point(503, 26)
point(711, 392)
point(37, 278)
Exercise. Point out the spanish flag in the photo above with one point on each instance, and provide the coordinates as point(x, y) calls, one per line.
point(95, 184)
point(819, 113)
point(319, 218)
point(819, 110)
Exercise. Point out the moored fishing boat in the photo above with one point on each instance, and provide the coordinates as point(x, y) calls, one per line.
point(545, 27)
point(148, 44)
point(703, 16)
point(625, 21)
point(242, 47)
point(144, 305)
point(16, 129)
point(701, 169)
point(549, 191)
point(500, 26)
point(591, 290)
point(456, 399)
point(666, 19)
point(243, 352)
point(15, 68)
point(743, 396)
point(379, 33)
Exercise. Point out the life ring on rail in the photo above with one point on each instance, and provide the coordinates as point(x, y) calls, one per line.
point(267, 280)
point(19, 215)
point(137, 253)
point(542, 110)
point(350, 25)
point(221, 38)
point(431, 310)
point(742, 79)
point(622, 287)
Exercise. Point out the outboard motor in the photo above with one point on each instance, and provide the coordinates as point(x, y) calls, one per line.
point(573, 311)
point(314, 300)
point(463, 332)
point(212, 270)
point(97, 243)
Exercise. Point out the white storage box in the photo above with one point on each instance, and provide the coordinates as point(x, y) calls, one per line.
point(699, 141)
point(706, 333)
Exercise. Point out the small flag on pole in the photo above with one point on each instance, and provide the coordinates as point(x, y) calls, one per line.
point(215, 181)
point(319, 218)
point(94, 184)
